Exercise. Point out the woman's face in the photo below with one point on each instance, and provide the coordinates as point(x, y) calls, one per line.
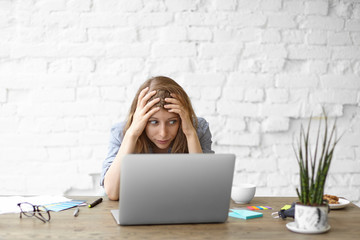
point(161, 129)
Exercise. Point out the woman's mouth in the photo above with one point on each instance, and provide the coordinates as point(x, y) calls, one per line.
point(162, 142)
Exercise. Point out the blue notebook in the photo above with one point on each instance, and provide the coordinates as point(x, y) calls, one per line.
point(57, 207)
point(244, 214)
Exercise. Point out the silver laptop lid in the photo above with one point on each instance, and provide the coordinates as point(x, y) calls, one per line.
point(175, 188)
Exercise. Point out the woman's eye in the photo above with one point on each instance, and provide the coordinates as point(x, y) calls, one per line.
point(172, 122)
point(153, 122)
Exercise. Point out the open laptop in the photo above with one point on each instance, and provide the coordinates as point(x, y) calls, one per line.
point(174, 188)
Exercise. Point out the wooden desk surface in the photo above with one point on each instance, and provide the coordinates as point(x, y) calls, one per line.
point(98, 223)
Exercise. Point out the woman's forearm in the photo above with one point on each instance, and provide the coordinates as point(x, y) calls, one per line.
point(193, 142)
point(112, 176)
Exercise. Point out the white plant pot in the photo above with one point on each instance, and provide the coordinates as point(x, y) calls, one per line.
point(311, 218)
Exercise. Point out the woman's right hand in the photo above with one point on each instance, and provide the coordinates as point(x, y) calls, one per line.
point(143, 112)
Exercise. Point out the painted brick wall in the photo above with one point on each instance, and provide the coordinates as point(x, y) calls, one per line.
point(255, 69)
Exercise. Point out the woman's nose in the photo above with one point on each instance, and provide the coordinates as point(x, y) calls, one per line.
point(163, 130)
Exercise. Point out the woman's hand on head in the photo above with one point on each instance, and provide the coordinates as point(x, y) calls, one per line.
point(143, 111)
point(175, 106)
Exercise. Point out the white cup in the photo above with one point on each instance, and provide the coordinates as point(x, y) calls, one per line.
point(243, 193)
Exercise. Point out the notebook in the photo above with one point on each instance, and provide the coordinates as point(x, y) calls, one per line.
point(174, 188)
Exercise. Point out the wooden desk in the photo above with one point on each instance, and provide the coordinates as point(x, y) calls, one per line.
point(98, 223)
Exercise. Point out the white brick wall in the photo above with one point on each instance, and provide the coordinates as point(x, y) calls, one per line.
point(254, 69)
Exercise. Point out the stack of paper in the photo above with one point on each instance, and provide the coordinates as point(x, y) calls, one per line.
point(9, 204)
point(244, 214)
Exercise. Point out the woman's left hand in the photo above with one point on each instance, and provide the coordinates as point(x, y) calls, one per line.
point(175, 106)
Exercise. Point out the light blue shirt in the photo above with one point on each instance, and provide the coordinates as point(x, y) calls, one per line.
point(117, 135)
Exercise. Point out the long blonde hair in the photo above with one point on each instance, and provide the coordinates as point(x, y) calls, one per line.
point(164, 86)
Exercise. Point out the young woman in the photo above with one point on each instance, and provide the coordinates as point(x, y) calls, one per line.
point(161, 120)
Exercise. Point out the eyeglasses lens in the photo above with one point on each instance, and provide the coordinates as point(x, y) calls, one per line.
point(27, 209)
point(44, 213)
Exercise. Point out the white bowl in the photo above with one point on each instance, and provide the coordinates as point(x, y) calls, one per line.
point(243, 193)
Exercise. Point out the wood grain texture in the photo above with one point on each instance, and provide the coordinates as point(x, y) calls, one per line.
point(98, 223)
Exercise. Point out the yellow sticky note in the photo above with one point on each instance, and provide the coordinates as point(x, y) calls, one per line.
point(286, 207)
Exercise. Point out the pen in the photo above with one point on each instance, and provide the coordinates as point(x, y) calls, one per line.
point(96, 202)
point(76, 213)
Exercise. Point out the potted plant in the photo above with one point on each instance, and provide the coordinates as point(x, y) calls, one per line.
point(314, 162)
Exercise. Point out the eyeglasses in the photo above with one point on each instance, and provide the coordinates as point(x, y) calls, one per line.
point(39, 211)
